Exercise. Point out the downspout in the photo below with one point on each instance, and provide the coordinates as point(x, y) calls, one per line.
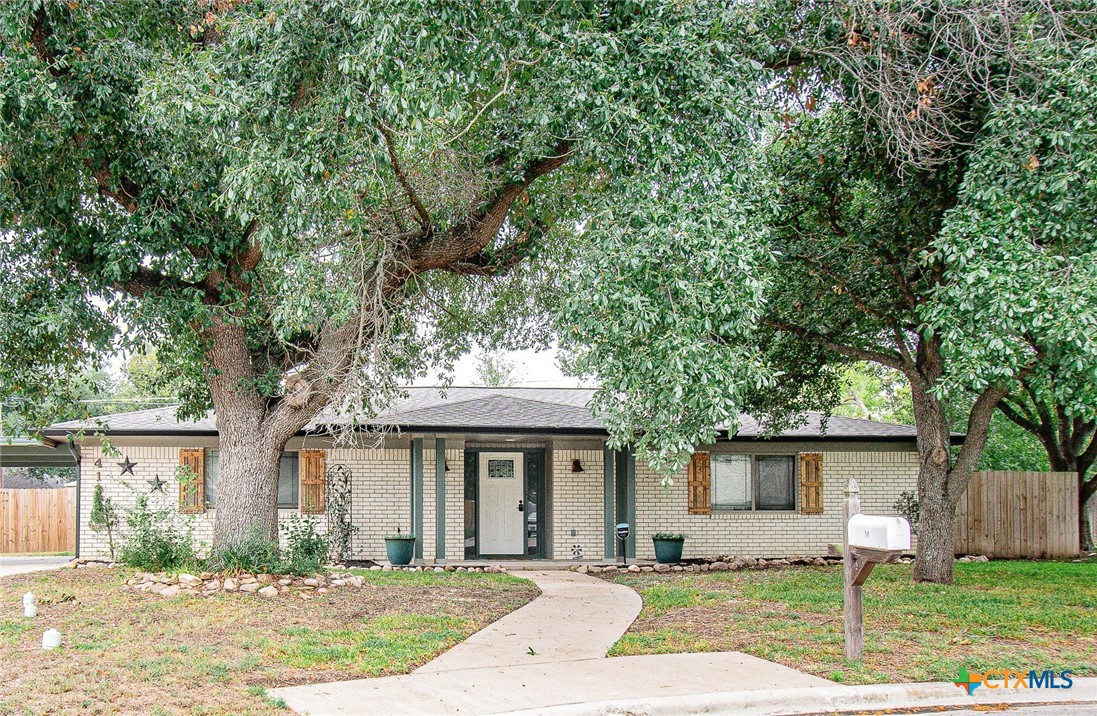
point(74, 450)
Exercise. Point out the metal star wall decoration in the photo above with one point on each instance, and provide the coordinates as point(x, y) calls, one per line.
point(127, 466)
point(157, 484)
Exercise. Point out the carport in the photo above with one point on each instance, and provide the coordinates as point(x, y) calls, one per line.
point(21, 510)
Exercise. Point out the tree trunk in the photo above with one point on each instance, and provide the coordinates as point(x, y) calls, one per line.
point(250, 444)
point(936, 527)
point(937, 513)
point(247, 485)
point(1086, 491)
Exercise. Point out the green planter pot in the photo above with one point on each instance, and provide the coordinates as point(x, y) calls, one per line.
point(668, 551)
point(400, 550)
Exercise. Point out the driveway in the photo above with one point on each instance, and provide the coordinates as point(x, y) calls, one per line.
point(14, 564)
point(549, 653)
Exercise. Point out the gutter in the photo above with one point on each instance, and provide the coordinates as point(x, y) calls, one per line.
point(75, 452)
point(722, 435)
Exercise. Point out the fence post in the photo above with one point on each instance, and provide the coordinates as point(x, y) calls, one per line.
point(854, 633)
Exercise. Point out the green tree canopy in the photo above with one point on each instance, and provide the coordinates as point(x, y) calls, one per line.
point(892, 210)
point(302, 205)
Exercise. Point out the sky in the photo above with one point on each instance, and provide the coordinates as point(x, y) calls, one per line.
point(535, 369)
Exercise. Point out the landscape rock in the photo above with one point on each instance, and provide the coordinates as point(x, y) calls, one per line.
point(172, 590)
point(662, 568)
point(251, 587)
point(189, 580)
point(269, 591)
point(231, 584)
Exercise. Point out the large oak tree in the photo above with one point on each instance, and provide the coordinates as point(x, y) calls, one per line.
point(301, 205)
point(916, 201)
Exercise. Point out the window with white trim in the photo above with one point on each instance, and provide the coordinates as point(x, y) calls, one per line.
point(753, 482)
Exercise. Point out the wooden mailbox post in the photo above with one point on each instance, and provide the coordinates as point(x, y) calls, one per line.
point(890, 536)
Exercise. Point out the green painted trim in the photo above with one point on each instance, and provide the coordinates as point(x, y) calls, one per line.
point(625, 502)
point(439, 499)
point(608, 504)
point(630, 502)
point(417, 494)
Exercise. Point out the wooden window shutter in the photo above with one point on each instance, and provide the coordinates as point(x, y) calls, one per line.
point(700, 484)
point(192, 483)
point(811, 483)
point(312, 482)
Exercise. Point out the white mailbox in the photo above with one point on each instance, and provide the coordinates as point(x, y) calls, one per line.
point(877, 532)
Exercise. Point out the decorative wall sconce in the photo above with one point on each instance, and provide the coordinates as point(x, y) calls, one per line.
point(576, 466)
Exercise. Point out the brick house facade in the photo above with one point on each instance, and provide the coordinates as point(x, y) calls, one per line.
point(526, 473)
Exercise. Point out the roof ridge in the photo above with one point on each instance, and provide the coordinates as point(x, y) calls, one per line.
point(860, 420)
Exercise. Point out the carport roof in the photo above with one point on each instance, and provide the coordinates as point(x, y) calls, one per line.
point(27, 452)
point(484, 410)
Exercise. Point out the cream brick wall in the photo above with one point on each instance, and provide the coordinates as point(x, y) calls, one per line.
point(123, 490)
point(455, 504)
point(577, 505)
point(881, 470)
point(381, 497)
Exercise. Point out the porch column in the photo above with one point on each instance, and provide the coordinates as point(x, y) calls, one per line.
point(417, 494)
point(608, 503)
point(630, 503)
point(439, 499)
point(625, 469)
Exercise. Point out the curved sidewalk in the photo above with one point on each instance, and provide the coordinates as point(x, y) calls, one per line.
point(569, 629)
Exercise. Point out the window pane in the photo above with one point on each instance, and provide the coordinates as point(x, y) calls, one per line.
point(731, 482)
point(776, 483)
point(213, 469)
point(288, 481)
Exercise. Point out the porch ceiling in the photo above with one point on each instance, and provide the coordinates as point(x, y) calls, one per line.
point(23, 452)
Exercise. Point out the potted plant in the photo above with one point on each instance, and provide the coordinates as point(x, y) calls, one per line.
point(668, 547)
point(400, 548)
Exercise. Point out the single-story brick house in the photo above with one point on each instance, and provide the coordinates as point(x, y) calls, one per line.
point(522, 472)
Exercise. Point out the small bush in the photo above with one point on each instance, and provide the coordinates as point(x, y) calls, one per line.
point(907, 506)
point(257, 552)
point(154, 542)
point(306, 549)
point(305, 552)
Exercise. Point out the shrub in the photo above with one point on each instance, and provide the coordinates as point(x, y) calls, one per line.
point(257, 552)
point(104, 516)
point(907, 506)
point(305, 552)
point(306, 549)
point(154, 542)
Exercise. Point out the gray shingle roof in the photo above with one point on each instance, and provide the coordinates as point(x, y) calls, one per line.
point(480, 409)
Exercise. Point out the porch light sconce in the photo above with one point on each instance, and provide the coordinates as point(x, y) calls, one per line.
point(576, 466)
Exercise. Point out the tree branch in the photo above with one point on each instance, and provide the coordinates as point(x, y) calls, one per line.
point(405, 183)
point(831, 344)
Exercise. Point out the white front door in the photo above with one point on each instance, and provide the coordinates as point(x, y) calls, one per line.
point(502, 512)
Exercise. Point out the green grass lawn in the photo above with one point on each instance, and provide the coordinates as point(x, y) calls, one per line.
point(1017, 615)
point(128, 652)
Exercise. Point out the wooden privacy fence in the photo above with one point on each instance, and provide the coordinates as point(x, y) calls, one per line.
point(1019, 515)
point(38, 520)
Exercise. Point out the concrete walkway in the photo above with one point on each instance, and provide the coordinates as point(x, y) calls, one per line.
point(569, 629)
point(10, 565)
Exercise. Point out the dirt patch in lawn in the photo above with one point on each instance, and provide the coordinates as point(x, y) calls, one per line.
point(128, 652)
point(1013, 615)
